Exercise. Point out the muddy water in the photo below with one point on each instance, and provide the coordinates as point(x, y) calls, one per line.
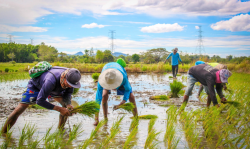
point(144, 86)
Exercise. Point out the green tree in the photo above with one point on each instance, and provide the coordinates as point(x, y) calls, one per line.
point(11, 56)
point(107, 56)
point(47, 53)
point(99, 56)
point(135, 58)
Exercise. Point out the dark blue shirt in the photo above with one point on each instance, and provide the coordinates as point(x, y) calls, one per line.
point(49, 84)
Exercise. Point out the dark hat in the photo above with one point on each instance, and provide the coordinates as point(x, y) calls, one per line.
point(73, 77)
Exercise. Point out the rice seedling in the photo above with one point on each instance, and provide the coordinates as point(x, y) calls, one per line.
point(115, 129)
point(36, 106)
point(54, 140)
point(133, 131)
point(7, 139)
point(26, 133)
point(178, 74)
point(148, 116)
point(74, 133)
point(127, 107)
point(170, 77)
point(75, 91)
point(234, 103)
point(175, 89)
point(159, 97)
point(88, 108)
point(151, 141)
point(95, 76)
point(93, 134)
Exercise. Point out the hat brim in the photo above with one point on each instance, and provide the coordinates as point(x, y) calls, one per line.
point(78, 85)
point(117, 82)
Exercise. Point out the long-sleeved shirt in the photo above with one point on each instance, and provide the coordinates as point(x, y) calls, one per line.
point(175, 58)
point(48, 84)
point(125, 83)
point(206, 75)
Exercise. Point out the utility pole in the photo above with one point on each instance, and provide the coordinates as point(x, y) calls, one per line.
point(200, 48)
point(10, 38)
point(112, 40)
point(31, 41)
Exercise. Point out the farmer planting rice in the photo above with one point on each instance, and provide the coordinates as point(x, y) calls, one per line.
point(174, 61)
point(57, 82)
point(209, 77)
point(113, 76)
point(215, 65)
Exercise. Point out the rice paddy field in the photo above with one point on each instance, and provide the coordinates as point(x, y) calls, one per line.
point(167, 124)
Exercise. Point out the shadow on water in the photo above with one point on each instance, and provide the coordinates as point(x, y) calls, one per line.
point(143, 85)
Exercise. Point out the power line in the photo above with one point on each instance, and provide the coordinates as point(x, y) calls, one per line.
point(112, 40)
point(200, 48)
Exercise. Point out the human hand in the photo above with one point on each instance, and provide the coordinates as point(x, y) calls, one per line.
point(70, 107)
point(65, 112)
point(116, 107)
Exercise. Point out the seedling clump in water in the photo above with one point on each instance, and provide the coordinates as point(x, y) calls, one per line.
point(127, 106)
point(159, 97)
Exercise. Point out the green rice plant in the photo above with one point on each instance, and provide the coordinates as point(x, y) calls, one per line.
point(89, 108)
point(178, 74)
point(170, 77)
point(36, 106)
point(234, 103)
point(133, 131)
point(26, 133)
point(14, 76)
point(54, 140)
point(175, 89)
point(127, 107)
point(159, 97)
point(75, 91)
point(7, 141)
point(115, 129)
point(148, 116)
point(151, 141)
point(95, 76)
point(93, 134)
point(76, 131)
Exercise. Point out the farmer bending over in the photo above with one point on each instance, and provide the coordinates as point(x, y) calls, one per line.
point(174, 61)
point(209, 77)
point(215, 65)
point(113, 76)
point(58, 83)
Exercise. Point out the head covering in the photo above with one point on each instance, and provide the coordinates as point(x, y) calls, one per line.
point(121, 62)
point(224, 75)
point(176, 49)
point(73, 77)
point(199, 62)
point(110, 78)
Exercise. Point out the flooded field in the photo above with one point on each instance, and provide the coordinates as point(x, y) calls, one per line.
point(144, 86)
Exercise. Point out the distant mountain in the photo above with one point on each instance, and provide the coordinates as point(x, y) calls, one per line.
point(79, 53)
point(118, 54)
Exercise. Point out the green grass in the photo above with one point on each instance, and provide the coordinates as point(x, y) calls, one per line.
point(75, 91)
point(159, 97)
point(88, 108)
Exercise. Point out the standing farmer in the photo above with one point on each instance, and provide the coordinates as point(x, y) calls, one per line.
point(174, 61)
point(57, 82)
point(209, 77)
point(113, 76)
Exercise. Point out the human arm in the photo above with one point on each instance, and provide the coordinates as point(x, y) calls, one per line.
point(98, 97)
point(180, 59)
point(219, 87)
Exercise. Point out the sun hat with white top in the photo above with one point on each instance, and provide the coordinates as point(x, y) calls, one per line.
point(110, 78)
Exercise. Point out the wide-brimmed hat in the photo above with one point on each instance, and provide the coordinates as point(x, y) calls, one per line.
point(224, 75)
point(110, 78)
point(73, 77)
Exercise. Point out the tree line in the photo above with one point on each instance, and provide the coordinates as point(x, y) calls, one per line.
point(23, 53)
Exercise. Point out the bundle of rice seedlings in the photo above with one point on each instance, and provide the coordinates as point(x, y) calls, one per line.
point(234, 103)
point(88, 108)
point(95, 76)
point(127, 107)
point(75, 90)
point(148, 116)
point(175, 88)
point(170, 76)
point(159, 97)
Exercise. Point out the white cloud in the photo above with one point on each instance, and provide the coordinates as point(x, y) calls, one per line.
point(93, 25)
point(8, 29)
point(162, 28)
point(237, 23)
point(133, 22)
point(28, 11)
point(197, 27)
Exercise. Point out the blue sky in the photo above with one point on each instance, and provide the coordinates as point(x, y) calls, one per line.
point(75, 25)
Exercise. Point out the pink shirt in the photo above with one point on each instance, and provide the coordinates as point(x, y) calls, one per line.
point(218, 77)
